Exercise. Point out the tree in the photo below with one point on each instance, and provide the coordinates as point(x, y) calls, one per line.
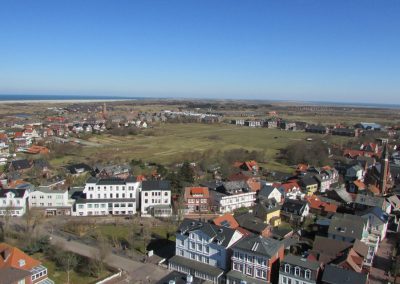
point(186, 173)
point(101, 254)
point(68, 261)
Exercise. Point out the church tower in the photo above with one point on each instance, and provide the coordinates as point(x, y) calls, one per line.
point(385, 170)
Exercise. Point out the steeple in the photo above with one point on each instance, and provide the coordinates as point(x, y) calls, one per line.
point(384, 161)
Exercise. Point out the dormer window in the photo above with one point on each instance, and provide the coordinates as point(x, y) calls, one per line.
point(297, 271)
point(307, 274)
point(191, 236)
point(21, 262)
point(287, 268)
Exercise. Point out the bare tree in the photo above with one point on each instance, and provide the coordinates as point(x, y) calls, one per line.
point(68, 261)
point(101, 254)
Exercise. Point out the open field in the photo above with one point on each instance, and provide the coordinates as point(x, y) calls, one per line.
point(170, 143)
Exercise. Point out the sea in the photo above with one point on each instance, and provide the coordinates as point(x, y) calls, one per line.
point(22, 98)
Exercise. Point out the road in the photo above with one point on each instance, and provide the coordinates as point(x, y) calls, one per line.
point(138, 272)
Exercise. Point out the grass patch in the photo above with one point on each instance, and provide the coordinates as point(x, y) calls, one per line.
point(59, 276)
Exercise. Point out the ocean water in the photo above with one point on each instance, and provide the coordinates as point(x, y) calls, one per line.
point(61, 98)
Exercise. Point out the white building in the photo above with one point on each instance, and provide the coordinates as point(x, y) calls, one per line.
point(202, 249)
point(155, 198)
point(232, 195)
point(13, 202)
point(109, 196)
point(52, 202)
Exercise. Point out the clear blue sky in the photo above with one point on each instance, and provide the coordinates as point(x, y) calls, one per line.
point(285, 49)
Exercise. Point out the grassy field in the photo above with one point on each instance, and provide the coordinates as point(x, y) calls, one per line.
point(169, 143)
point(59, 276)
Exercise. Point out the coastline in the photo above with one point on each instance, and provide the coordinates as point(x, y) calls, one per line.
point(64, 101)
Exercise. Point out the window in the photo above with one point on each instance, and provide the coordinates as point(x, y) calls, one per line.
point(192, 255)
point(206, 249)
point(191, 236)
point(192, 245)
point(287, 268)
point(130, 195)
point(182, 242)
point(145, 194)
point(166, 193)
point(199, 247)
point(145, 201)
point(105, 195)
point(284, 280)
point(111, 195)
point(297, 271)
point(80, 206)
point(249, 270)
point(96, 206)
point(117, 195)
point(307, 274)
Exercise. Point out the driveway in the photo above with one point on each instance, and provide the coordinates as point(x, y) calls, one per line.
point(138, 272)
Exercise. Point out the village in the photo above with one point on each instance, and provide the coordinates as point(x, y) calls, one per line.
point(330, 218)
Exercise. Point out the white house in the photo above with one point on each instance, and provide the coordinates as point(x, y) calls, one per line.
point(52, 202)
point(108, 196)
point(155, 198)
point(202, 249)
point(271, 193)
point(378, 221)
point(13, 202)
point(232, 195)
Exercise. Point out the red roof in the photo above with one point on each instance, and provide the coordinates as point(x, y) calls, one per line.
point(316, 203)
point(10, 257)
point(290, 185)
point(191, 191)
point(140, 178)
point(226, 219)
point(302, 167)
point(18, 134)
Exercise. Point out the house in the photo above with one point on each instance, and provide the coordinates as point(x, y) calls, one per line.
point(253, 224)
point(52, 202)
point(336, 275)
point(317, 129)
point(248, 166)
point(368, 126)
point(363, 202)
point(79, 169)
point(21, 166)
point(394, 201)
point(294, 210)
point(197, 199)
point(350, 228)
point(202, 249)
point(18, 267)
point(308, 184)
point(155, 198)
point(238, 122)
point(253, 123)
point(226, 220)
point(319, 207)
point(291, 190)
point(109, 196)
point(270, 192)
point(378, 221)
point(232, 195)
point(295, 269)
point(341, 131)
point(254, 260)
point(119, 171)
point(13, 202)
point(355, 172)
point(269, 212)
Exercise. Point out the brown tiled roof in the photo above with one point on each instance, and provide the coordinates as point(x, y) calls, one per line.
point(10, 257)
point(227, 219)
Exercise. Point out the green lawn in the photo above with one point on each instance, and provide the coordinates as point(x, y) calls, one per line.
point(172, 142)
point(60, 277)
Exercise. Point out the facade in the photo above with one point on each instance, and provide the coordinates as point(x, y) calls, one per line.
point(202, 249)
point(52, 202)
point(18, 267)
point(294, 210)
point(155, 198)
point(110, 196)
point(197, 199)
point(296, 270)
point(254, 259)
point(232, 195)
point(13, 202)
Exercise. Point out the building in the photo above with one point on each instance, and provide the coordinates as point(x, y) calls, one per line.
point(110, 196)
point(232, 195)
point(197, 199)
point(202, 249)
point(336, 275)
point(294, 210)
point(254, 260)
point(378, 221)
point(155, 198)
point(51, 202)
point(13, 202)
point(17, 267)
point(270, 192)
point(309, 184)
point(295, 269)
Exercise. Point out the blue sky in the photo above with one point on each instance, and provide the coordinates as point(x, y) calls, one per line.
point(323, 50)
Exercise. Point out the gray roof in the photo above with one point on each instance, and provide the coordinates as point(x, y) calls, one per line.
point(378, 212)
point(337, 275)
point(156, 185)
point(266, 190)
point(48, 190)
point(369, 200)
point(73, 169)
point(251, 223)
point(12, 275)
point(292, 205)
point(19, 193)
point(20, 164)
point(220, 235)
point(196, 265)
point(237, 275)
point(301, 262)
point(110, 181)
point(259, 245)
point(346, 225)
point(232, 187)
